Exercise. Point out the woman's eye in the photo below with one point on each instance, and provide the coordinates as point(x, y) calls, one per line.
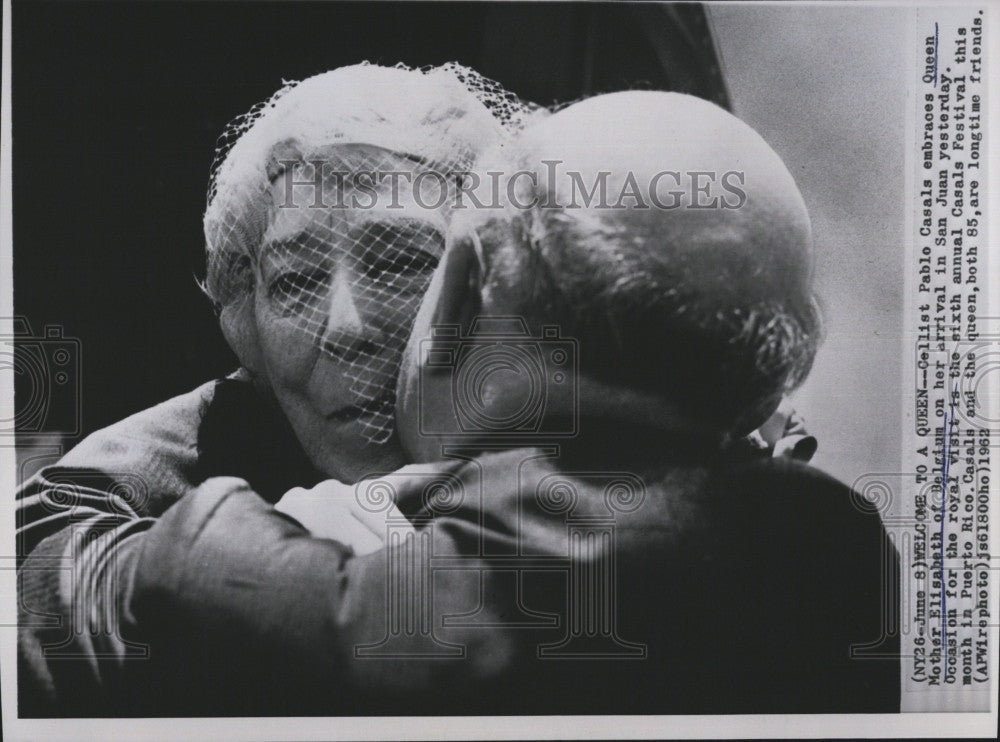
point(394, 262)
point(295, 288)
point(400, 251)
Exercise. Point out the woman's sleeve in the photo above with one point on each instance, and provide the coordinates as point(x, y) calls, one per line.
point(77, 530)
point(78, 525)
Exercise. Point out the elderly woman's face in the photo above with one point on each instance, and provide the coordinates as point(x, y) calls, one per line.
point(336, 292)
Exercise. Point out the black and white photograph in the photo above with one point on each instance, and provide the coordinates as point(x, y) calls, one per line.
point(420, 370)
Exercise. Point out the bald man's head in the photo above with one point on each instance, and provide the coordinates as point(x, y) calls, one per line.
point(686, 182)
point(668, 238)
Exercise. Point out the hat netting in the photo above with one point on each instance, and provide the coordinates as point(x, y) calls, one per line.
point(289, 216)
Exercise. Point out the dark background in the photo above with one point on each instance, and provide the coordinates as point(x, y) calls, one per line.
point(117, 106)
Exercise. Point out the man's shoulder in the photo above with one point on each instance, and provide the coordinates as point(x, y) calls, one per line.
point(726, 476)
point(781, 484)
point(789, 502)
point(770, 570)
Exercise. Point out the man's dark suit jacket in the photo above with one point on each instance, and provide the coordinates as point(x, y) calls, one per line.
point(632, 576)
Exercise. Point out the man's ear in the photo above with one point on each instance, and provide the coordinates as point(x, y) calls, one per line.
point(453, 298)
point(458, 295)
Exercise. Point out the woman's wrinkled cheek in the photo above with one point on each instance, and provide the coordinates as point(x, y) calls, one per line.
point(289, 353)
point(239, 327)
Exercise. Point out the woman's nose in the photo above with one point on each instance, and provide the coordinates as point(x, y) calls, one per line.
point(346, 335)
